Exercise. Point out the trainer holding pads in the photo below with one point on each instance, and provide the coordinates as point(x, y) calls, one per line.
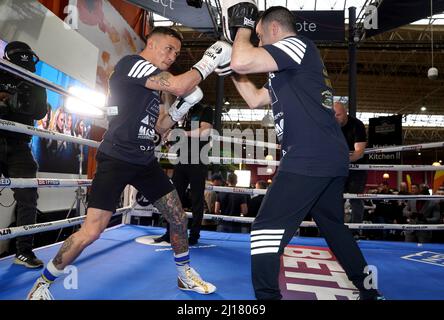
point(314, 162)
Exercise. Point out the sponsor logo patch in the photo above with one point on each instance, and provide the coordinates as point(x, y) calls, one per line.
point(313, 273)
point(5, 182)
point(429, 257)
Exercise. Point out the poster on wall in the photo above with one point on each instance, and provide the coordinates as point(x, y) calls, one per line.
point(52, 155)
point(383, 132)
point(101, 24)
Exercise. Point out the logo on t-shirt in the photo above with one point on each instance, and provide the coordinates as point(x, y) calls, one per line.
point(279, 127)
point(327, 99)
point(146, 133)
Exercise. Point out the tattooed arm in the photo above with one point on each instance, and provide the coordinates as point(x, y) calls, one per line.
point(171, 208)
point(179, 85)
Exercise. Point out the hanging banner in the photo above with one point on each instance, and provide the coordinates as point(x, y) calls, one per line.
point(321, 25)
point(383, 132)
point(315, 25)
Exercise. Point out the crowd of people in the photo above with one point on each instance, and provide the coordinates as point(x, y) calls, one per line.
point(378, 211)
point(404, 212)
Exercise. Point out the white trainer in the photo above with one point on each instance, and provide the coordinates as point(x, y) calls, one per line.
point(40, 291)
point(190, 280)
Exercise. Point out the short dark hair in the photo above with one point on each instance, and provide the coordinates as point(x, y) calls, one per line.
point(281, 15)
point(166, 31)
point(262, 184)
point(217, 176)
point(232, 178)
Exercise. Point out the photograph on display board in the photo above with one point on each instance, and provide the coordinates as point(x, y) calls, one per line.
point(52, 155)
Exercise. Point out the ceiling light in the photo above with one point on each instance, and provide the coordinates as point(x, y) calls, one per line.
point(268, 120)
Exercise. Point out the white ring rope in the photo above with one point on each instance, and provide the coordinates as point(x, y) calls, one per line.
point(312, 224)
point(40, 81)
point(42, 133)
point(30, 130)
point(9, 233)
point(21, 128)
point(395, 167)
point(43, 183)
point(246, 142)
point(75, 183)
point(13, 232)
point(412, 147)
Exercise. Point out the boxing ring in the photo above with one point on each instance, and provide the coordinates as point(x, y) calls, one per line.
point(117, 267)
point(125, 263)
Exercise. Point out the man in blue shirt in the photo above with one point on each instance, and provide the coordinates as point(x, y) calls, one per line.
point(314, 162)
point(126, 155)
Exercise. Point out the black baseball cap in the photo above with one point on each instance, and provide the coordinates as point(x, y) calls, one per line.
point(21, 54)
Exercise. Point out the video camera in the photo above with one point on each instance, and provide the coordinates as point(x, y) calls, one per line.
point(20, 98)
point(17, 95)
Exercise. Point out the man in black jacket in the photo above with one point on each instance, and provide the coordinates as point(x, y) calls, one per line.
point(22, 102)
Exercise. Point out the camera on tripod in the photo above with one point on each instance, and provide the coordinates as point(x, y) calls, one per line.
point(19, 94)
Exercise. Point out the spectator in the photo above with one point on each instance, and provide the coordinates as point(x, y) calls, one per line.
point(356, 137)
point(210, 195)
point(421, 212)
point(255, 201)
point(231, 204)
point(382, 213)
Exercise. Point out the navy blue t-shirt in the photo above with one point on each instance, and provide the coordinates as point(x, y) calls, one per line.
point(131, 134)
point(302, 101)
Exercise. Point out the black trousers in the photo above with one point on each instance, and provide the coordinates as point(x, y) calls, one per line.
point(289, 199)
point(193, 175)
point(355, 183)
point(17, 161)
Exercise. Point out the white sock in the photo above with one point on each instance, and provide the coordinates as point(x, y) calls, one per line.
point(51, 273)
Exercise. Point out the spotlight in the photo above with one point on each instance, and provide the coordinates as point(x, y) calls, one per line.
point(432, 73)
point(268, 120)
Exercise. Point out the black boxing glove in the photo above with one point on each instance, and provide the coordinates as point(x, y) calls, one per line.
point(238, 14)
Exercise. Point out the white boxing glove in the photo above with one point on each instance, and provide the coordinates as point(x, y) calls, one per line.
point(182, 105)
point(219, 54)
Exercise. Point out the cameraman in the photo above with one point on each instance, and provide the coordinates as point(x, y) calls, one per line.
point(23, 102)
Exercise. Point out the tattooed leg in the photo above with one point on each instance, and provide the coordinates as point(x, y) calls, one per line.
point(96, 221)
point(171, 208)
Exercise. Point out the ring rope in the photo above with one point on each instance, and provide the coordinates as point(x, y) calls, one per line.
point(411, 147)
point(75, 183)
point(21, 128)
point(40, 81)
point(246, 142)
point(9, 233)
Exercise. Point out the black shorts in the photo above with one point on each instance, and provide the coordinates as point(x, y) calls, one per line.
point(113, 175)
